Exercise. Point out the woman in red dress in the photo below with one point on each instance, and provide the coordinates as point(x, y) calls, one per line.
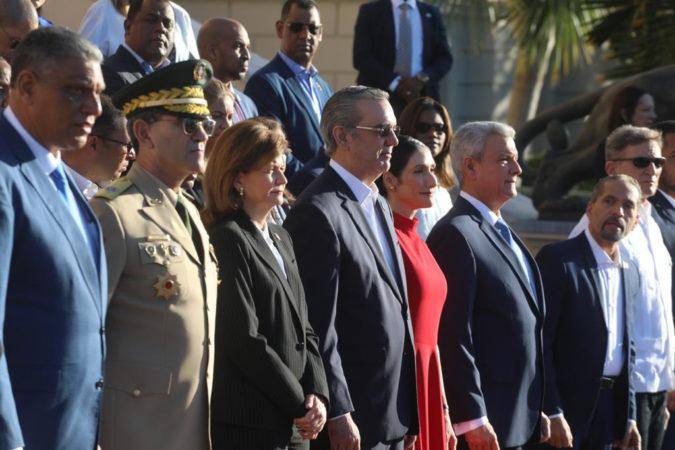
point(409, 185)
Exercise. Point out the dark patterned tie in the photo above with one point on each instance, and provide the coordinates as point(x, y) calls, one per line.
point(404, 48)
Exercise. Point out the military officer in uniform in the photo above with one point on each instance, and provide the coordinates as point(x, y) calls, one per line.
point(162, 271)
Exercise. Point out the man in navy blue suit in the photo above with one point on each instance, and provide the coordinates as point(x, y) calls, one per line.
point(589, 353)
point(52, 263)
point(491, 332)
point(289, 87)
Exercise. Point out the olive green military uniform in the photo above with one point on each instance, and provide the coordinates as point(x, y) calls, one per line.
point(160, 320)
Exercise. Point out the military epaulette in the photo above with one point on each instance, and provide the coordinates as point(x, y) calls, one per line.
point(115, 189)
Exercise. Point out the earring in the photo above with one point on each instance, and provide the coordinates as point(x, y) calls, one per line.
point(391, 187)
point(241, 191)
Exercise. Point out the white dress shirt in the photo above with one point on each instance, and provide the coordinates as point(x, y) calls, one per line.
point(103, 25)
point(273, 248)
point(442, 202)
point(85, 185)
point(165, 62)
point(417, 33)
point(652, 311)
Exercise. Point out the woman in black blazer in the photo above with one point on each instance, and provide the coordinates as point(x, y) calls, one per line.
point(269, 386)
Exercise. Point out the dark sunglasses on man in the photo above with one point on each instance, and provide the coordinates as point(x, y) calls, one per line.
point(128, 146)
point(423, 128)
point(190, 125)
point(383, 131)
point(642, 161)
point(297, 27)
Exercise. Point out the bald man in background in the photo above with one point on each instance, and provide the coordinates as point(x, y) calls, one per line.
point(225, 44)
point(17, 18)
point(5, 74)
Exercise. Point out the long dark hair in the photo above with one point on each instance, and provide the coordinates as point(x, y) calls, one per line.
point(408, 119)
point(623, 106)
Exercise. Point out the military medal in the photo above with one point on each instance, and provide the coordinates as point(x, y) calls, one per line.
point(166, 286)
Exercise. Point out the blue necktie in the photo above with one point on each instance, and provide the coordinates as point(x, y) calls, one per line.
point(505, 233)
point(58, 176)
point(147, 68)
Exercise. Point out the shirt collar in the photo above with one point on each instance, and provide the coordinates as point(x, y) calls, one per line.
point(48, 161)
point(296, 68)
point(82, 183)
point(601, 257)
point(486, 212)
point(141, 61)
point(669, 198)
point(397, 3)
point(645, 212)
point(361, 191)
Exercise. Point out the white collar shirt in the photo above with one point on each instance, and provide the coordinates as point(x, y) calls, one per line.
point(367, 196)
point(85, 185)
point(612, 301)
point(165, 62)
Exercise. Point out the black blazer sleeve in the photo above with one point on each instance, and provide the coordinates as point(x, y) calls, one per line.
point(237, 329)
point(555, 280)
point(319, 264)
point(457, 261)
point(440, 61)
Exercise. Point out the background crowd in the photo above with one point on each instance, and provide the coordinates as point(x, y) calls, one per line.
point(184, 265)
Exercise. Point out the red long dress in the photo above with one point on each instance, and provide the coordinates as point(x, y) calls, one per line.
point(426, 294)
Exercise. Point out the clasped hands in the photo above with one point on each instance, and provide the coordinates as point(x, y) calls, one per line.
point(409, 88)
point(311, 424)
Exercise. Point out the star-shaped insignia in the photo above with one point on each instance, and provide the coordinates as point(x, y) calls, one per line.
point(166, 286)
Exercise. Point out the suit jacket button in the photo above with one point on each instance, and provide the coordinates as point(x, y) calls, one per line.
point(136, 393)
point(99, 385)
point(102, 331)
point(300, 346)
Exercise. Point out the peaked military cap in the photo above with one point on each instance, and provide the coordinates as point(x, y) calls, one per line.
point(176, 89)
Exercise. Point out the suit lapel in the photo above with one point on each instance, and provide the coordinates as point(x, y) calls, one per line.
point(591, 266)
point(355, 212)
point(298, 92)
point(661, 204)
point(426, 30)
point(389, 35)
point(393, 244)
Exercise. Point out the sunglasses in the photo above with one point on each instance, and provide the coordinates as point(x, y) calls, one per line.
point(423, 128)
point(128, 146)
point(383, 131)
point(297, 27)
point(190, 125)
point(642, 161)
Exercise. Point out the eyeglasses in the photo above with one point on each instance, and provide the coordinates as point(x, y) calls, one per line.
point(423, 128)
point(383, 131)
point(642, 161)
point(128, 146)
point(297, 27)
point(190, 125)
point(13, 41)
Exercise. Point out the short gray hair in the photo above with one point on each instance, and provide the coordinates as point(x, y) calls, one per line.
point(469, 141)
point(17, 12)
point(599, 188)
point(341, 110)
point(627, 135)
point(48, 47)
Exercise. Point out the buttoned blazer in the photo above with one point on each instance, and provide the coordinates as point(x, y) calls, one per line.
point(490, 336)
point(357, 307)
point(278, 94)
point(576, 334)
point(374, 53)
point(120, 69)
point(52, 309)
point(664, 216)
point(160, 325)
point(267, 355)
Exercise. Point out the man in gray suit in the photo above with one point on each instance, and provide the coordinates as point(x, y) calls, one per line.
point(225, 44)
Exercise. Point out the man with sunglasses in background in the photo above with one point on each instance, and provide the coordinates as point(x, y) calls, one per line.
point(105, 155)
point(289, 87)
point(636, 151)
point(162, 277)
point(17, 18)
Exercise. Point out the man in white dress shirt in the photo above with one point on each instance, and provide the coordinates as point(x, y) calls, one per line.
point(636, 152)
point(104, 157)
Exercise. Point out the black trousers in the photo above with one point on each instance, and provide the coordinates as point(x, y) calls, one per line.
point(231, 437)
point(651, 417)
point(600, 433)
point(462, 445)
point(323, 443)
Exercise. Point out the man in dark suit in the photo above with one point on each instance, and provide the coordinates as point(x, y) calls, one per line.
point(401, 46)
point(663, 212)
point(225, 44)
point(289, 87)
point(148, 40)
point(490, 337)
point(354, 280)
point(52, 265)
point(589, 353)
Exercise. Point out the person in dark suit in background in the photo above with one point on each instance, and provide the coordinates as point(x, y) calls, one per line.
point(53, 276)
point(148, 40)
point(268, 373)
point(289, 88)
point(352, 270)
point(663, 212)
point(589, 353)
point(491, 331)
point(401, 46)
